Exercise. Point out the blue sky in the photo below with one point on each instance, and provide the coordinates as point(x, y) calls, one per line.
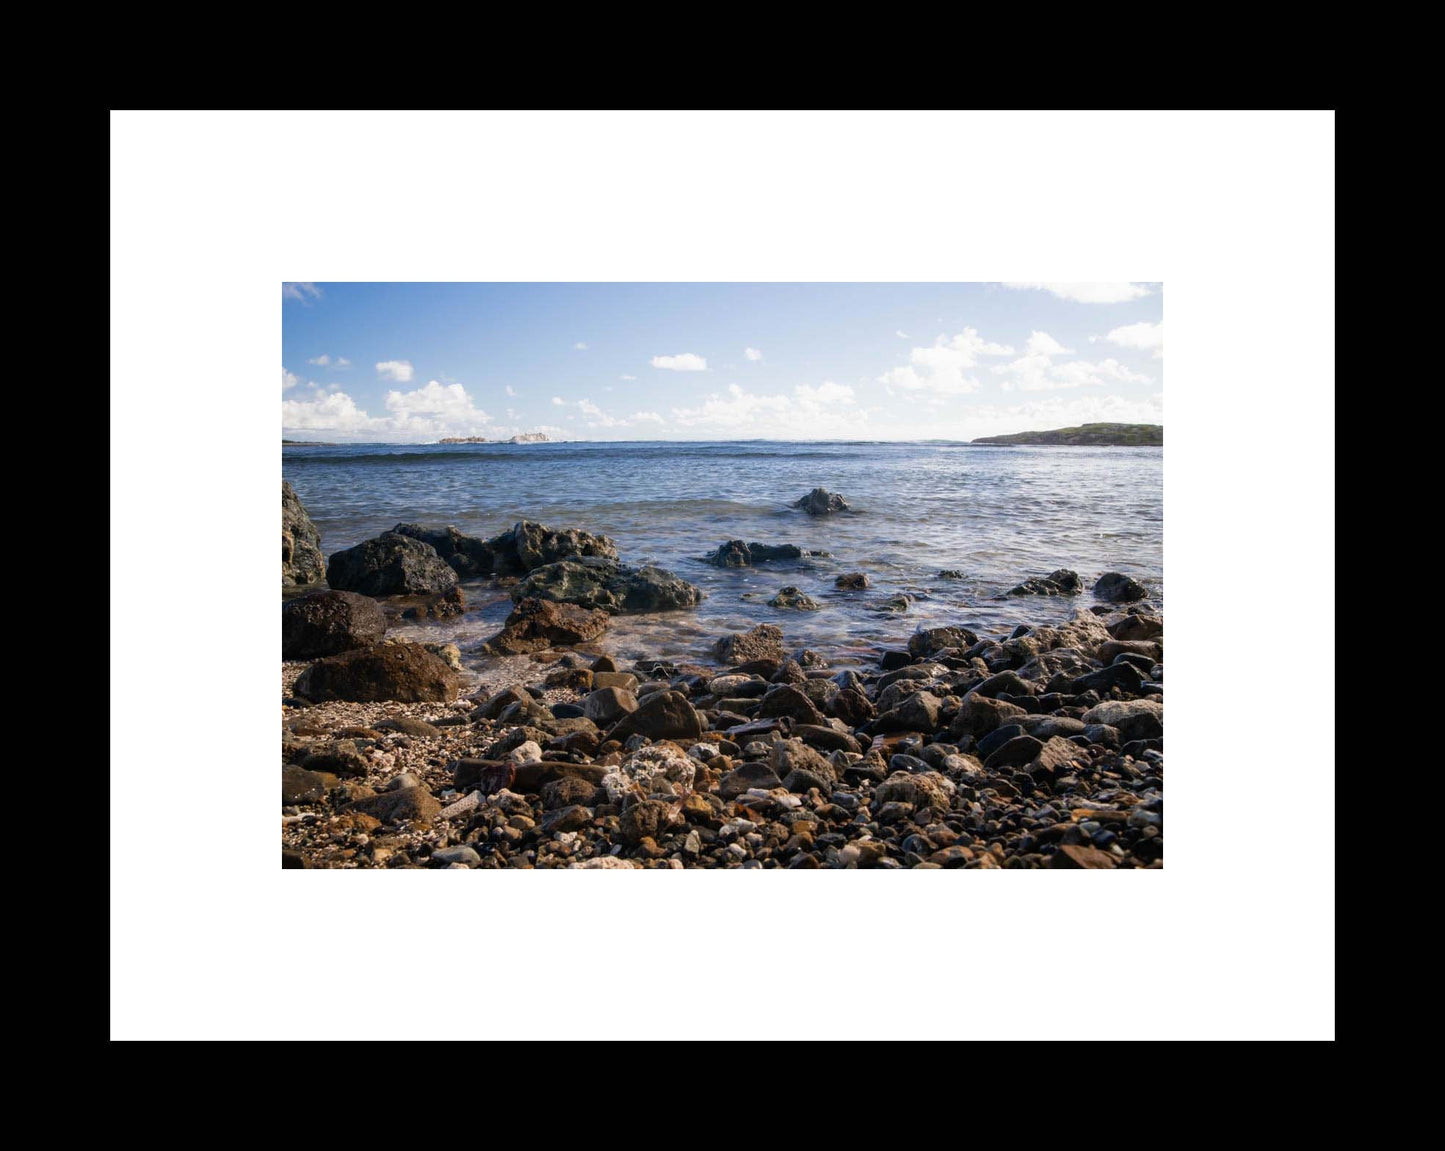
point(411, 363)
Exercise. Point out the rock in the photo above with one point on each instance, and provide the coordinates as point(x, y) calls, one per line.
point(1137, 627)
point(1021, 750)
point(1061, 582)
point(391, 564)
point(1133, 718)
point(764, 642)
point(920, 788)
point(448, 653)
point(793, 702)
point(800, 767)
point(793, 599)
point(407, 725)
point(1004, 683)
point(405, 672)
point(462, 854)
point(301, 558)
point(300, 785)
point(567, 791)
point(949, 573)
point(1111, 651)
point(339, 757)
point(662, 715)
point(916, 712)
point(327, 622)
point(927, 640)
point(821, 502)
point(1072, 855)
point(535, 624)
point(527, 546)
point(645, 820)
point(1057, 757)
point(1116, 587)
point(622, 679)
point(737, 554)
point(746, 777)
point(410, 804)
point(978, 715)
point(607, 705)
point(852, 581)
point(600, 583)
point(468, 556)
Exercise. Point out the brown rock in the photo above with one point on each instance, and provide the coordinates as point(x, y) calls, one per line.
point(537, 623)
point(405, 672)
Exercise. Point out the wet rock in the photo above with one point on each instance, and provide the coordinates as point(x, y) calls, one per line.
point(949, 573)
point(325, 623)
point(1116, 587)
point(764, 642)
point(468, 556)
point(1136, 627)
point(404, 672)
point(447, 605)
point(301, 558)
point(927, 640)
point(852, 581)
point(737, 554)
point(535, 624)
point(600, 583)
point(821, 502)
point(391, 564)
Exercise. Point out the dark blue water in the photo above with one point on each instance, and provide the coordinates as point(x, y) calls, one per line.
point(997, 514)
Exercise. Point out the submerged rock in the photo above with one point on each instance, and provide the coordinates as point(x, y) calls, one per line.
point(793, 599)
point(737, 554)
point(1061, 582)
point(601, 583)
point(405, 672)
point(324, 623)
point(852, 581)
point(391, 564)
point(821, 502)
point(527, 546)
point(301, 558)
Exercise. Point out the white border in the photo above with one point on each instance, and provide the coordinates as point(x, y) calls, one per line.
point(1234, 211)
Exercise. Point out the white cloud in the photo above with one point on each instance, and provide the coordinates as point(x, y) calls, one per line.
point(424, 414)
point(400, 371)
point(810, 412)
point(825, 393)
point(1037, 372)
point(342, 362)
point(558, 400)
point(1144, 336)
point(686, 362)
point(939, 369)
point(902, 335)
point(627, 377)
point(580, 346)
point(288, 380)
point(511, 391)
point(300, 291)
point(320, 361)
point(447, 403)
point(1086, 293)
point(752, 354)
point(1055, 412)
point(1043, 344)
point(646, 418)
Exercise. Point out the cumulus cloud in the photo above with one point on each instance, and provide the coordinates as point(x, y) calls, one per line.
point(1043, 344)
point(511, 391)
point(558, 400)
point(288, 380)
point(446, 404)
point(901, 334)
point(1036, 371)
point(1086, 293)
point(399, 371)
point(1055, 412)
point(424, 414)
point(320, 361)
point(686, 362)
point(580, 346)
point(627, 377)
point(646, 418)
point(300, 291)
point(752, 354)
point(809, 412)
point(1144, 336)
point(940, 369)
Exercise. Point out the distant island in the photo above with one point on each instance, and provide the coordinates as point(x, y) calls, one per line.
point(302, 444)
point(524, 438)
point(1089, 435)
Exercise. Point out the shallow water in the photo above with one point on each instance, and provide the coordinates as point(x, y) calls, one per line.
point(997, 514)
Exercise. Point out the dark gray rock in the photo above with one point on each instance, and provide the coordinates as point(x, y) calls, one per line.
point(301, 558)
point(821, 502)
point(595, 582)
point(391, 564)
point(1116, 587)
point(324, 623)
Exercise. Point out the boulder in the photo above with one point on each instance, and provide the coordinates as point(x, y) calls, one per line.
point(790, 701)
point(1134, 718)
point(1116, 587)
point(527, 546)
point(409, 804)
point(643, 773)
point(927, 640)
point(537, 623)
point(601, 583)
point(468, 556)
point(661, 715)
point(405, 672)
point(391, 564)
point(607, 705)
point(821, 502)
point(764, 642)
point(852, 581)
point(1137, 627)
point(301, 558)
point(325, 623)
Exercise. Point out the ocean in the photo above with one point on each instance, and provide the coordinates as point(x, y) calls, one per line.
point(995, 514)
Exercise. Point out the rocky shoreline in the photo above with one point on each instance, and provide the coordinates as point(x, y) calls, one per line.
point(1039, 748)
